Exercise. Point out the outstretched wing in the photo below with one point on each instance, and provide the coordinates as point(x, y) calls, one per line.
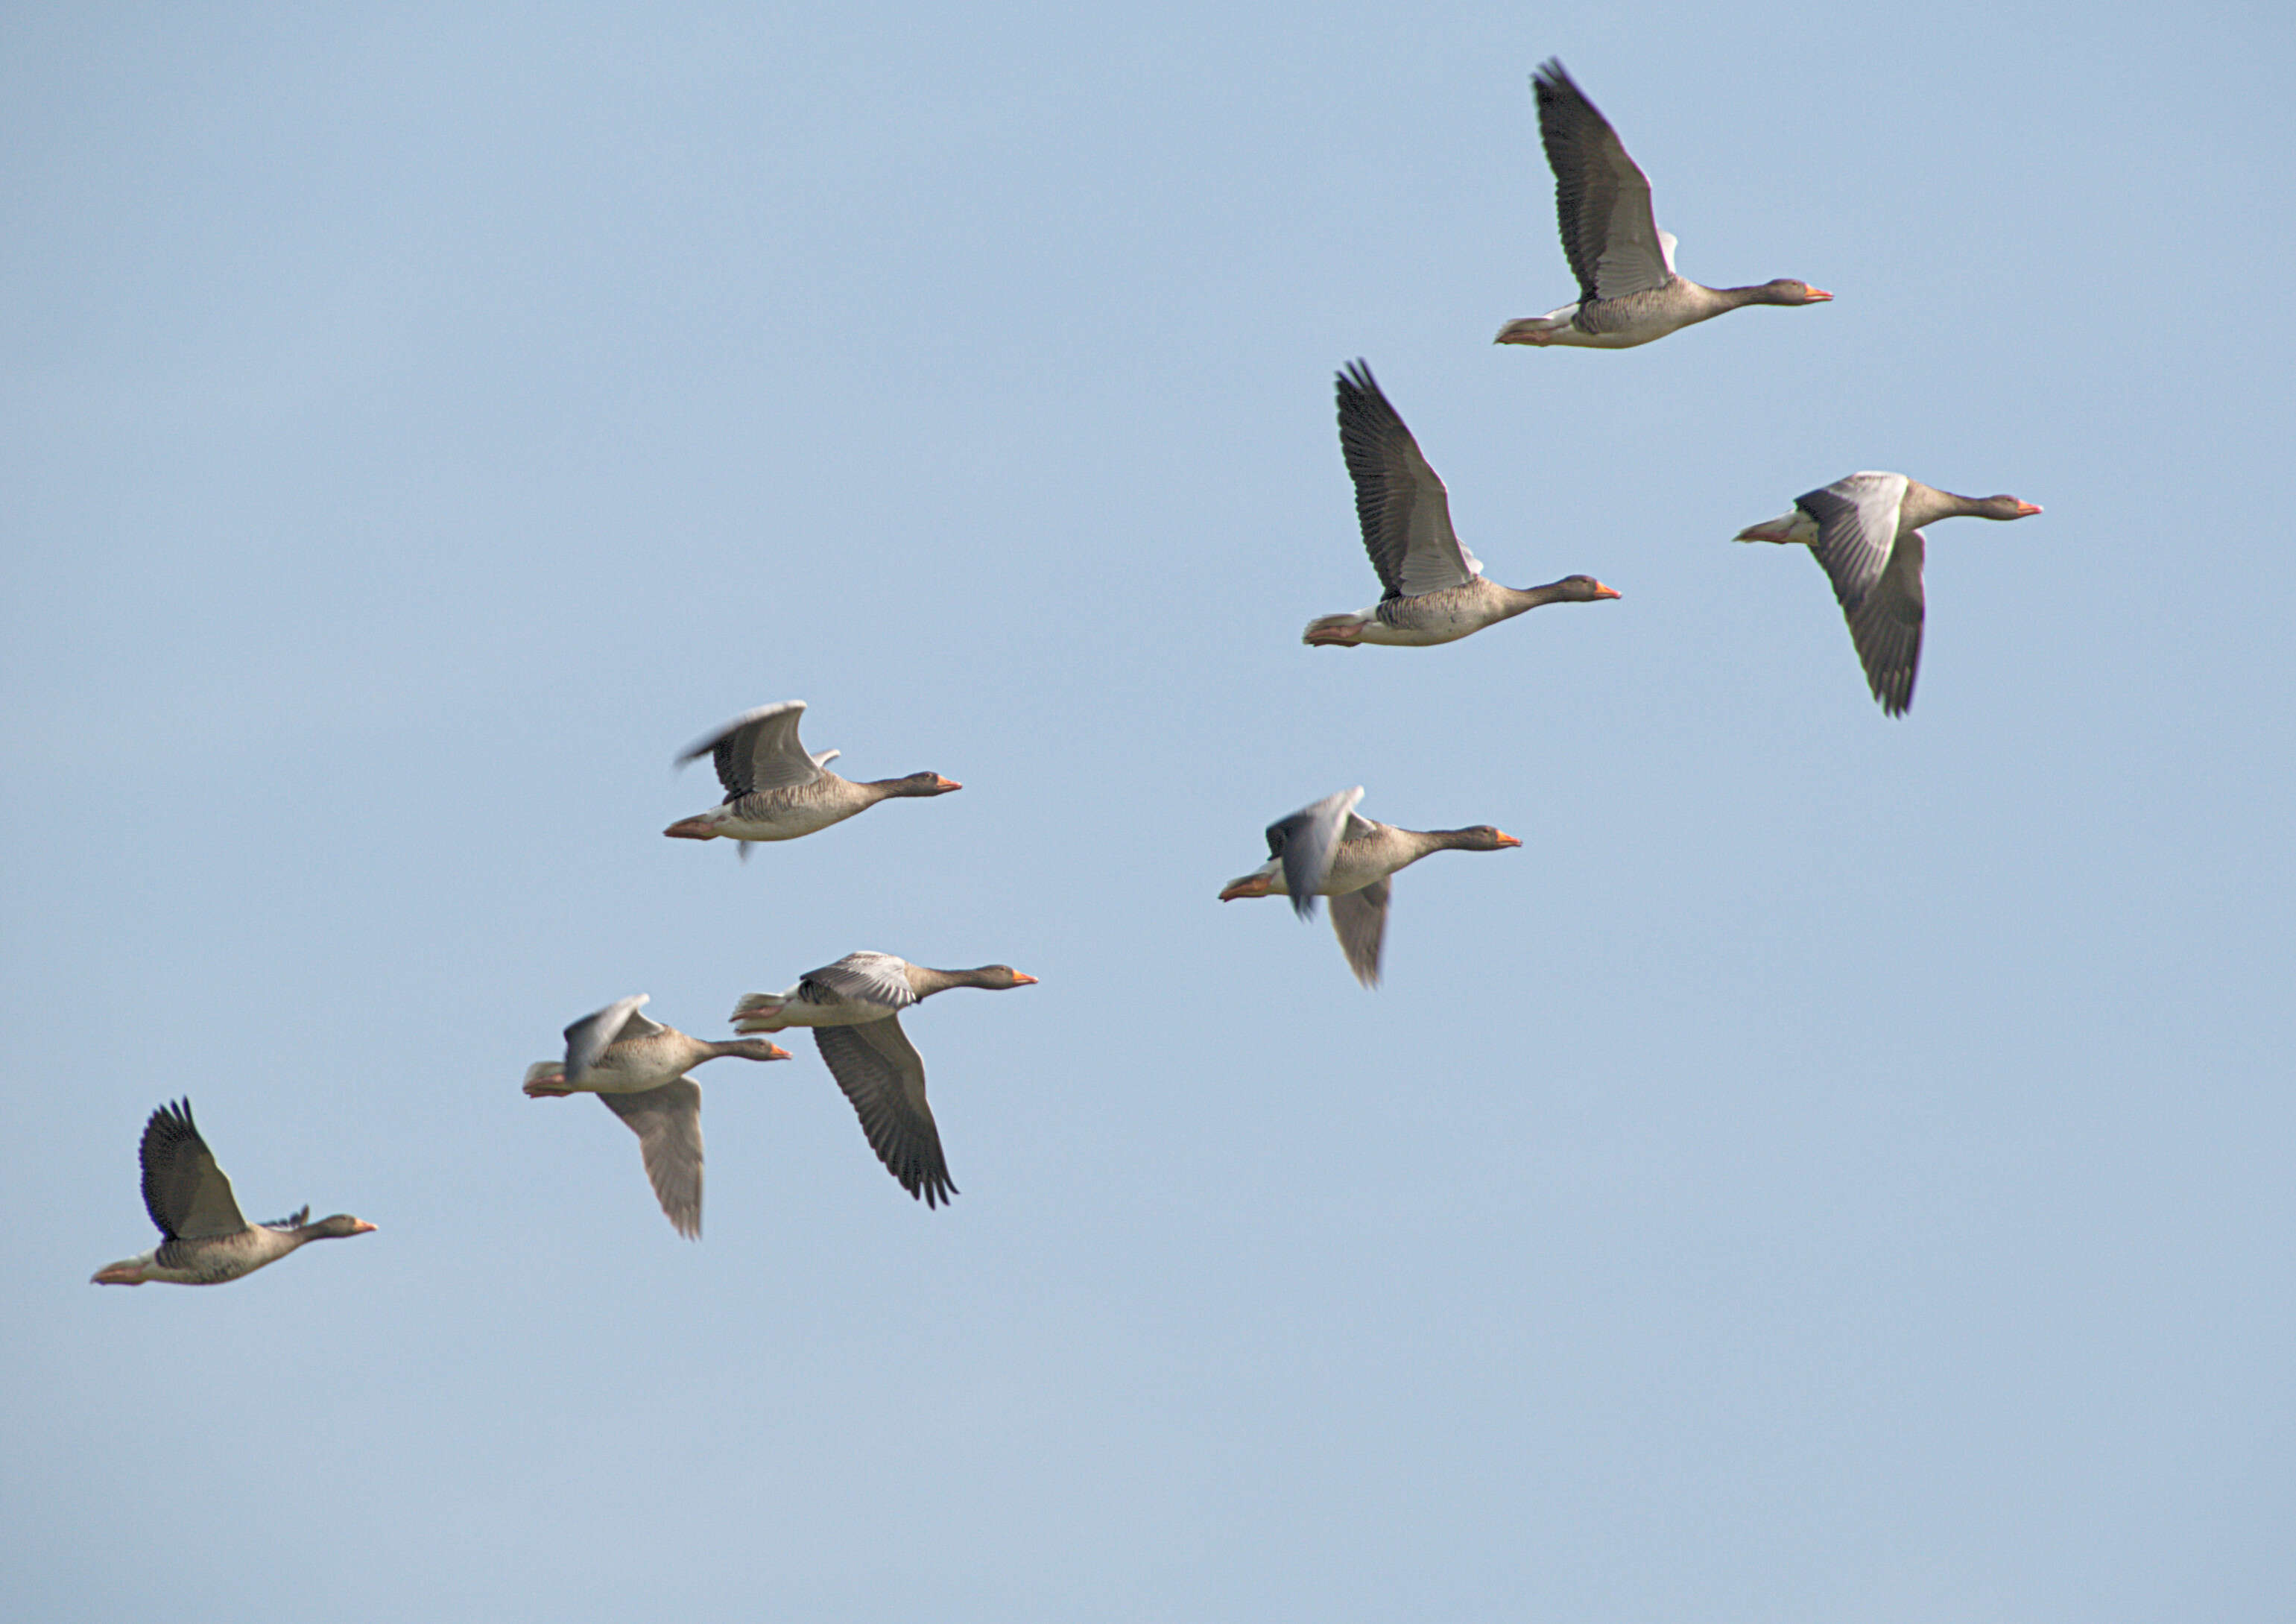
point(1304, 843)
point(187, 1195)
point(883, 1075)
point(1857, 526)
point(759, 750)
point(1359, 920)
point(1886, 627)
point(667, 1122)
point(1602, 197)
point(1400, 503)
point(1876, 574)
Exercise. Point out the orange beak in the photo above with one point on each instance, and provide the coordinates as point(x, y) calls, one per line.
point(2026, 510)
point(1819, 296)
point(1024, 980)
point(946, 785)
point(1601, 591)
point(775, 1051)
point(1508, 839)
point(362, 1227)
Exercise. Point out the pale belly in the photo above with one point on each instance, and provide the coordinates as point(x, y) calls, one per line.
point(1434, 617)
point(783, 823)
point(797, 1012)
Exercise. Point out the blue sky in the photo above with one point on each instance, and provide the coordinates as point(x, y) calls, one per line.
point(1839, 1168)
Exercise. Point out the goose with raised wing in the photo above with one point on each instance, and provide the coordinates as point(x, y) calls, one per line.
point(1330, 849)
point(854, 1008)
point(1436, 589)
point(1629, 289)
point(1866, 532)
point(203, 1238)
point(637, 1067)
point(774, 791)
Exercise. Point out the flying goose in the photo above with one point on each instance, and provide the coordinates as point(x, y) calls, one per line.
point(774, 791)
point(1436, 590)
point(1628, 290)
point(636, 1067)
point(1865, 531)
point(854, 1008)
point(203, 1238)
point(1329, 849)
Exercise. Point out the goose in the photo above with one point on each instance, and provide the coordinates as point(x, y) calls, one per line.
point(1865, 531)
point(1628, 290)
point(774, 791)
point(637, 1067)
point(854, 1008)
point(1436, 590)
point(203, 1238)
point(1329, 849)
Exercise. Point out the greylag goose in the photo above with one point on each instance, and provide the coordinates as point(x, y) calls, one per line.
point(1436, 589)
point(1628, 290)
point(774, 791)
point(854, 1008)
point(1865, 531)
point(1329, 849)
point(203, 1238)
point(636, 1067)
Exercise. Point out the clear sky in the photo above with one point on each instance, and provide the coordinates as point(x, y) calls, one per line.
point(1839, 1168)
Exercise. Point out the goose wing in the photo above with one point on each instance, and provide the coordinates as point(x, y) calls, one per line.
point(759, 750)
point(860, 978)
point(667, 1122)
point(1857, 527)
point(1400, 502)
point(1876, 573)
point(1602, 197)
point(1359, 920)
point(188, 1196)
point(1886, 627)
point(883, 1076)
point(1306, 843)
point(588, 1038)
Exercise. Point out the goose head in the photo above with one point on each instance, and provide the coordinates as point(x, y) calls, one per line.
point(921, 784)
point(337, 1228)
point(1001, 978)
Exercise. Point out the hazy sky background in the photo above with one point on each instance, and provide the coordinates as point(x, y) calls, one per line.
point(1840, 1168)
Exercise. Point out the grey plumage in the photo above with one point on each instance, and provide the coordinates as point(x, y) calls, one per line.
point(1864, 531)
point(1359, 920)
point(588, 1038)
point(1602, 197)
point(883, 1076)
point(759, 750)
point(863, 977)
point(1307, 841)
point(1401, 504)
point(188, 1196)
point(667, 1122)
point(205, 1239)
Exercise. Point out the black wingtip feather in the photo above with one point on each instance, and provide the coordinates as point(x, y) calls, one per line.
point(167, 1129)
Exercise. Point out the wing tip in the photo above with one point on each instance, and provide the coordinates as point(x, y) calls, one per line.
point(709, 742)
